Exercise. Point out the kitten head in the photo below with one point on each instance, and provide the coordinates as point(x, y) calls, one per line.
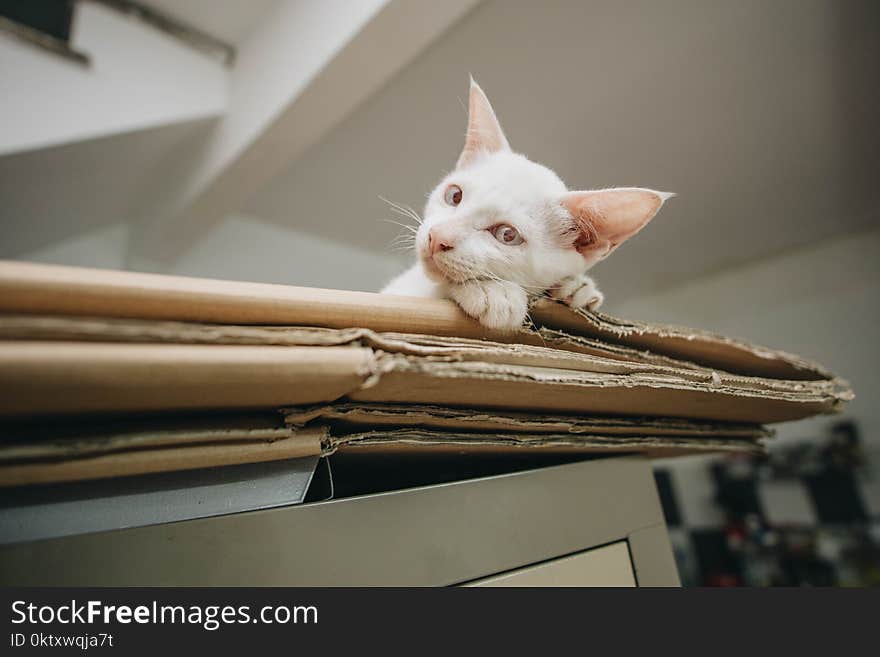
point(498, 215)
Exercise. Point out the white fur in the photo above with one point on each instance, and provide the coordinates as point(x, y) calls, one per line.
point(491, 281)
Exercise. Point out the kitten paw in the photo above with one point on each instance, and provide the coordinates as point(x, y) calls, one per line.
point(578, 292)
point(496, 305)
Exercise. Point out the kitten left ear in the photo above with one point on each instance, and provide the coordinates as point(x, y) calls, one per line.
point(606, 218)
point(484, 134)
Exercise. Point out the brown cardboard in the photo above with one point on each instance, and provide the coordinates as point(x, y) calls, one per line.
point(116, 464)
point(64, 437)
point(408, 440)
point(357, 372)
point(535, 389)
point(28, 288)
point(13, 327)
point(356, 416)
point(76, 377)
point(73, 377)
point(709, 349)
point(43, 452)
point(90, 329)
point(393, 354)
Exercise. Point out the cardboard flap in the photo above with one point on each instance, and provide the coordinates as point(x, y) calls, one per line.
point(75, 377)
point(708, 349)
point(539, 389)
point(72, 377)
point(428, 347)
point(66, 437)
point(100, 465)
point(409, 440)
point(31, 288)
point(55, 290)
point(474, 420)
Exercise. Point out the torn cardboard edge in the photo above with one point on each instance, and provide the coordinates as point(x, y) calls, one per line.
point(98, 330)
point(60, 439)
point(77, 377)
point(37, 441)
point(409, 440)
point(24, 442)
point(307, 442)
point(686, 344)
point(474, 421)
point(29, 288)
point(46, 378)
point(539, 390)
point(118, 453)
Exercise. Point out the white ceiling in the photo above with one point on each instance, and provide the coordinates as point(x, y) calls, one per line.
point(229, 20)
point(761, 115)
point(53, 194)
point(757, 113)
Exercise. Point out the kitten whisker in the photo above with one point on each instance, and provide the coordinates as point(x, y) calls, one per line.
point(412, 229)
point(403, 210)
point(408, 215)
point(402, 245)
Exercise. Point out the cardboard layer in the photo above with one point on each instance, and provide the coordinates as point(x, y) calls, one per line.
point(472, 420)
point(117, 464)
point(69, 377)
point(68, 438)
point(408, 440)
point(704, 347)
point(54, 290)
point(64, 377)
point(540, 389)
point(426, 346)
point(94, 329)
point(58, 290)
point(41, 452)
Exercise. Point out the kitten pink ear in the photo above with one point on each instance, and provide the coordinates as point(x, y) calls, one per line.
point(484, 134)
point(606, 218)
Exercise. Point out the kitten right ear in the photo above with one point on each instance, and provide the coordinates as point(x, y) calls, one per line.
point(605, 218)
point(484, 134)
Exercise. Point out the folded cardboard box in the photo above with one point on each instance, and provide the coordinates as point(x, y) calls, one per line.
point(72, 449)
point(101, 365)
point(356, 370)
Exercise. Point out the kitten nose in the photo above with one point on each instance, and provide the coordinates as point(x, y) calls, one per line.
point(437, 243)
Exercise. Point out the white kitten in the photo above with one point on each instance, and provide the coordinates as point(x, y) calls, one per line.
point(501, 227)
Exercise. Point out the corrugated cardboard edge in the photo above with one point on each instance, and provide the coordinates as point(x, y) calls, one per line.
point(63, 377)
point(307, 442)
point(687, 344)
point(431, 347)
point(409, 440)
point(472, 420)
point(32, 288)
point(52, 289)
point(44, 451)
point(54, 447)
point(408, 379)
point(97, 329)
point(75, 377)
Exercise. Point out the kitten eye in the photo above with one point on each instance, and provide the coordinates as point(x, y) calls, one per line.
point(452, 196)
point(507, 234)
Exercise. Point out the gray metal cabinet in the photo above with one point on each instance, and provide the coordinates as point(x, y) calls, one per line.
point(536, 527)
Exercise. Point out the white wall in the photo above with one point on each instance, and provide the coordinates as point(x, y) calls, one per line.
point(238, 248)
point(249, 249)
point(102, 247)
point(764, 143)
point(819, 302)
point(137, 77)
